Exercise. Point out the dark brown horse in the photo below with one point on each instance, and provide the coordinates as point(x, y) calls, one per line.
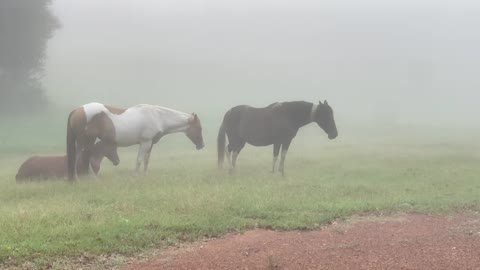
point(55, 166)
point(276, 124)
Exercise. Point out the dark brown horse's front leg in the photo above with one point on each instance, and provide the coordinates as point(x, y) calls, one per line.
point(285, 147)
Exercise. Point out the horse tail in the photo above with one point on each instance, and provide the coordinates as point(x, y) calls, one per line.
point(221, 141)
point(71, 149)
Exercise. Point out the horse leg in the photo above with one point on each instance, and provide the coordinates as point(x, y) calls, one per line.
point(91, 171)
point(78, 160)
point(142, 151)
point(285, 147)
point(236, 152)
point(147, 159)
point(276, 151)
point(228, 153)
point(234, 162)
point(84, 153)
point(89, 147)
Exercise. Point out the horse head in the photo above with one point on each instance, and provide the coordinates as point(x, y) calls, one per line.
point(323, 116)
point(194, 131)
point(104, 149)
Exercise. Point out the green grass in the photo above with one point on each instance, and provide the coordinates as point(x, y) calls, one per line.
point(184, 197)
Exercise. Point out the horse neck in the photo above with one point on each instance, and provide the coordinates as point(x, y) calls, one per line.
point(97, 155)
point(300, 112)
point(174, 121)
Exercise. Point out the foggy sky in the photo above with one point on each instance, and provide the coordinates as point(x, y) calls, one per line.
point(410, 61)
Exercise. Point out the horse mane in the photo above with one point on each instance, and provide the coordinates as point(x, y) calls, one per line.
point(299, 112)
point(162, 109)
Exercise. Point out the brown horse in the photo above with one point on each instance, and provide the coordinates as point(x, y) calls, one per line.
point(55, 166)
point(142, 124)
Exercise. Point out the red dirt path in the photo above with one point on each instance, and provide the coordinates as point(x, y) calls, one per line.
point(403, 242)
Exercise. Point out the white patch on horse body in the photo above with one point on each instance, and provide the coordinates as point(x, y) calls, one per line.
point(92, 109)
point(314, 110)
point(128, 127)
point(142, 122)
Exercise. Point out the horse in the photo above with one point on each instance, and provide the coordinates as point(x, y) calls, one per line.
point(275, 124)
point(55, 166)
point(143, 124)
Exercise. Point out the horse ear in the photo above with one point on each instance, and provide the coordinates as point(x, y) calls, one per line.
point(326, 103)
point(320, 102)
point(194, 118)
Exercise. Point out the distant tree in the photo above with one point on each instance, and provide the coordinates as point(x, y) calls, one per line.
point(25, 28)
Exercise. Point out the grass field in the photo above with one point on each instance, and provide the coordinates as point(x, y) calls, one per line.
point(184, 197)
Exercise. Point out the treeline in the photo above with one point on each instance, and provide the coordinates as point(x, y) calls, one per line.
point(25, 28)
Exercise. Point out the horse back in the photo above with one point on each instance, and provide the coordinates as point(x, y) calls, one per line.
point(42, 167)
point(82, 115)
point(129, 127)
point(259, 126)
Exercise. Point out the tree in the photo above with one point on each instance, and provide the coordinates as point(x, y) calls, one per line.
point(25, 28)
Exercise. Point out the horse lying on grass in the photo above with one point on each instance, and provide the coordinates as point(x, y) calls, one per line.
point(142, 124)
point(55, 166)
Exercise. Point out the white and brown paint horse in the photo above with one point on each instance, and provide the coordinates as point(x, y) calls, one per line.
point(40, 167)
point(142, 124)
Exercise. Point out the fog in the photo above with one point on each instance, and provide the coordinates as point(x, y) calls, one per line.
point(405, 62)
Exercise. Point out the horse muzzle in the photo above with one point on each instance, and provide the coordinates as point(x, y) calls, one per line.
point(200, 146)
point(333, 136)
